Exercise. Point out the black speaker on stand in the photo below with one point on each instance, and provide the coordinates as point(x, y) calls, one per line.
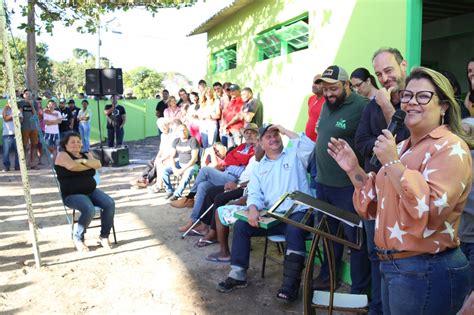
point(100, 82)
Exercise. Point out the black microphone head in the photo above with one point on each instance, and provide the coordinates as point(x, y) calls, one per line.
point(399, 116)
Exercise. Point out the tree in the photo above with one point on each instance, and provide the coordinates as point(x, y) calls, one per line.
point(43, 66)
point(143, 81)
point(85, 14)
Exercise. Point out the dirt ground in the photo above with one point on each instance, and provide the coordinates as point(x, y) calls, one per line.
point(150, 270)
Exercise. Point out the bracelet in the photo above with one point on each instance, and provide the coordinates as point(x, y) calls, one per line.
point(391, 163)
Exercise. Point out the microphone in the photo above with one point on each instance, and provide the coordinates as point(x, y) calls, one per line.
point(395, 125)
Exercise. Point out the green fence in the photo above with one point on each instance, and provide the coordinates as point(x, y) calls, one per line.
point(141, 119)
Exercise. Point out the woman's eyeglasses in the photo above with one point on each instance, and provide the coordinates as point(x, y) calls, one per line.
point(358, 85)
point(421, 97)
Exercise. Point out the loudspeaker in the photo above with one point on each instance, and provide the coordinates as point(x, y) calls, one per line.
point(111, 81)
point(112, 156)
point(93, 82)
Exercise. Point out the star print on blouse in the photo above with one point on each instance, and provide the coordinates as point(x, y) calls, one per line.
point(441, 203)
point(449, 230)
point(457, 150)
point(427, 157)
point(440, 146)
point(422, 206)
point(427, 172)
point(396, 232)
point(427, 232)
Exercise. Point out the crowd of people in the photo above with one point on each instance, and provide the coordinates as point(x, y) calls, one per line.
point(415, 200)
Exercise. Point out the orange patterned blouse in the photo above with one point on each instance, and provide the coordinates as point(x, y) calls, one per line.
point(435, 186)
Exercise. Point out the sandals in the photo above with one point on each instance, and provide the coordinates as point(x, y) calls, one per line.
point(215, 258)
point(203, 243)
point(105, 243)
point(81, 246)
point(292, 269)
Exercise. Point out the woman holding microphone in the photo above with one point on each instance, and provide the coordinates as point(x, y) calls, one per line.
point(417, 198)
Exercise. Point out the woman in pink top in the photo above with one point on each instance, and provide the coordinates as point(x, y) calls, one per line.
point(417, 198)
point(172, 112)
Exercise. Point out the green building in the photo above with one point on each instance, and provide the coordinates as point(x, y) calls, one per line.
point(277, 46)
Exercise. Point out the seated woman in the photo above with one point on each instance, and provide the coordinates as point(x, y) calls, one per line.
point(76, 171)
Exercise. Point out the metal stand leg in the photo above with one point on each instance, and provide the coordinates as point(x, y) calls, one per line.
point(197, 221)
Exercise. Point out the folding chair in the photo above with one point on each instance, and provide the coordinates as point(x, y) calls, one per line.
point(98, 212)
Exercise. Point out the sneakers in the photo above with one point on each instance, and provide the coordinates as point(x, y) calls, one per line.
point(173, 198)
point(184, 202)
point(230, 284)
point(169, 195)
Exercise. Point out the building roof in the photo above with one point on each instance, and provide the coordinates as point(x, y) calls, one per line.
point(220, 16)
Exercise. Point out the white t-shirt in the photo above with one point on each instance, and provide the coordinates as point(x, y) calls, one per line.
point(53, 129)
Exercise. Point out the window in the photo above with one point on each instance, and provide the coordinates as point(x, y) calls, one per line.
point(224, 59)
point(283, 39)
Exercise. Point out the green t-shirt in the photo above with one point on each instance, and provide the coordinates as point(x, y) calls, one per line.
point(341, 123)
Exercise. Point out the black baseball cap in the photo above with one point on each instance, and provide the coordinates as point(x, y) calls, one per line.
point(333, 74)
point(263, 129)
point(234, 87)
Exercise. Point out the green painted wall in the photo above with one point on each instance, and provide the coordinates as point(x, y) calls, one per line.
point(343, 32)
point(141, 119)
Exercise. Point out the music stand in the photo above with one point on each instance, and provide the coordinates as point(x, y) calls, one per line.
point(321, 231)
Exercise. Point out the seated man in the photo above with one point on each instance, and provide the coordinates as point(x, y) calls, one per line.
point(231, 194)
point(187, 149)
point(234, 164)
point(280, 171)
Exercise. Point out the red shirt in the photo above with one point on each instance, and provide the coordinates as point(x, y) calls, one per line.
point(230, 110)
point(315, 105)
point(238, 157)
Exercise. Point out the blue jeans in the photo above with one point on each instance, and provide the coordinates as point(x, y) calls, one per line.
point(425, 284)
point(85, 131)
point(243, 232)
point(185, 179)
point(114, 135)
point(86, 205)
point(208, 130)
point(207, 178)
point(9, 144)
point(375, 306)
point(468, 250)
point(341, 197)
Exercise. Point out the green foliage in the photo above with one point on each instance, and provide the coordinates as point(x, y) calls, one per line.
point(84, 14)
point(43, 66)
point(144, 82)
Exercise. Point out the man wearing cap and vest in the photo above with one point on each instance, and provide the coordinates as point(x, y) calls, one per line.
point(339, 119)
point(281, 170)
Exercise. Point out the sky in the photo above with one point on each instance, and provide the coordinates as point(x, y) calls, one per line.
point(158, 42)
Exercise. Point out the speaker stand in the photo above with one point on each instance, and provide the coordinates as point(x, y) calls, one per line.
point(100, 129)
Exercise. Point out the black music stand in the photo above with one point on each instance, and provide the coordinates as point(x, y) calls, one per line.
point(329, 301)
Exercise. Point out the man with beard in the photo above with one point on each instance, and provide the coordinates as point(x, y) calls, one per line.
point(390, 69)
point(339, 119)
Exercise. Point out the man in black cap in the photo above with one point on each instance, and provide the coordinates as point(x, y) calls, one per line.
point(339, 118)
point(67, 122)
point(231, 122)
point(74, 111)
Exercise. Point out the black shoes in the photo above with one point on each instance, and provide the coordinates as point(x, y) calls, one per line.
point(230, 284)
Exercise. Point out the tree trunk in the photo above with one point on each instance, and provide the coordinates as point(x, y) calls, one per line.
point(19, 142)
point(31, 76)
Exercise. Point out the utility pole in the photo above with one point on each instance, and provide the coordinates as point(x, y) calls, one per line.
point(19, 142)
